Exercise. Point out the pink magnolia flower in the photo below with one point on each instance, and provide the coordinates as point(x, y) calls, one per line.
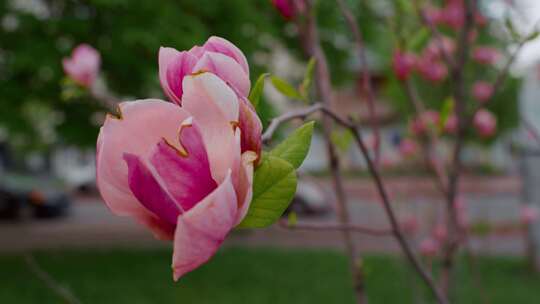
point(482, 91)
point(83, 65)
point(429, 247)
point(451, 124)
point(179, 170)
point(485, 123)
point(223, 59)
point(403, 64)
point(289, 9)
point(217, 55)
point(486, 55)
point(407, 147)
point(529, 214)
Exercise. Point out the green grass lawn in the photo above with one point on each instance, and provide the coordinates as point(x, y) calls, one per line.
point(237, 275)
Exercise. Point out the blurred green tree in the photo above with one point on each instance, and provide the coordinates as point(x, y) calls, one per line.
point(35, 38)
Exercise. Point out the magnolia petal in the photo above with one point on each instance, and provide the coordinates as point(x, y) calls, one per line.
point(149, 192)
point(224, 46)
point(213, 105)
point(201, 230)
point(185, 172)
point(173, 66)
point(142, 125)
point(251, 127)
point(245, 187)
point(227, 69)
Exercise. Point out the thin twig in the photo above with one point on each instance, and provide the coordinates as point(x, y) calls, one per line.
point(460, 98)
point(396, 229)
point(49, 281)
point(295, 114)
point(398, 234)
point(101, 94)
point(336, 227)
point(435, 32)
point(473, 264)
point(531, 129)
point(366, 75)
point(312, 44)
point(503, 73)
point(433, 139)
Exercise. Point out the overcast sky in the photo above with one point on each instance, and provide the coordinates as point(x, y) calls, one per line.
point(525, 19)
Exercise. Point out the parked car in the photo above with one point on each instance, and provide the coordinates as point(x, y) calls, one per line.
point(39, 196)
point(310, 200)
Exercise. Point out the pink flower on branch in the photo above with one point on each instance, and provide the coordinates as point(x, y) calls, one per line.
point(482, 91)
point(83, 65)
point(409, 225)
point(434, 15)
point(289, 9)
point(429, 247)
point(451, 124)
point(437, 47)
point(179, 170)
point(440, 233)
point(453, 14)
point(420, 125)
point(408, 147)
point(529, 214)
point(403, 64)
point(224, 59)
point(433, 71)
point(485, 123)
point(486, 55)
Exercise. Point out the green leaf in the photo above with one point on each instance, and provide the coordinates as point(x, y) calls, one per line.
point(342, 139)
point(419, 39)
point(296, 146)
point(405, 6)
point(274, 186)
point(257, 90)
point(285, 88)
point(511, 29)
point(446, 111)
point(533, 35)
point(71, 89)
point(292, 219)
point(308, 78)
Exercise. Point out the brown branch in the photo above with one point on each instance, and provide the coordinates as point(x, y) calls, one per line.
point(435, 32)
point(51, 284)
point(531, 129)
point(460, 99)
point(312, 45)
point(398, 234)
point(503, 73)
point(433, 140)
point(396, 229)
point(366, 75)
point(336, 227)
point(101, 94)
point(295, 114)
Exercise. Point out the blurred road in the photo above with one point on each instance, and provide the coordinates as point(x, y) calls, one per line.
point(91, 224)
